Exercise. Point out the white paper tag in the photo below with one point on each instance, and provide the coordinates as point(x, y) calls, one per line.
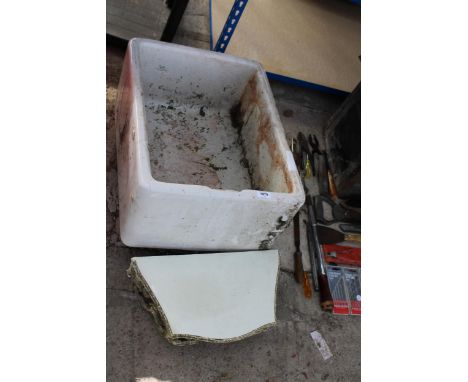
point(290, 159)
point(321, 345)
point(263, 195)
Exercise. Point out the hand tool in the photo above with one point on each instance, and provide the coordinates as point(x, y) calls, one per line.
point(330, 179)
point(314, 143)
point(303, 145)
point(296, 151)
point(310, 241)
point(322, 175)
point(306, 285)
point(326, 300)
point(319, 165)
point(327, 185)
point(331, 185)
point(313, 262)
point(299, 275)
point(308, 168)
point(315, 151)
point(328, 235)
point(338, 212)
point(303, 154)
point(312, 258)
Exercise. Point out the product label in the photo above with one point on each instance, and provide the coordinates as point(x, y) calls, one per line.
point(263, 195)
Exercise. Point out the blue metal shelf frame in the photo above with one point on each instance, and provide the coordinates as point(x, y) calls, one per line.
point(230, 25)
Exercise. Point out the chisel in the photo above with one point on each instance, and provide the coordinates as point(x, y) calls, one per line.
point(326, 300)
point(313, 261)
point(299, 275)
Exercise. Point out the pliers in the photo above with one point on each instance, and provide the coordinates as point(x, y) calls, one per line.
point(315, 151)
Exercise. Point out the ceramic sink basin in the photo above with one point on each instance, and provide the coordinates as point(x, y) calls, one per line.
point(203, 162)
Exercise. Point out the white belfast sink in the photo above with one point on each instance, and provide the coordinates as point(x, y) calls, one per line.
point(203, 162)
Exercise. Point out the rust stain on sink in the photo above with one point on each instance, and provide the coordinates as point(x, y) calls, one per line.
point(250, 98)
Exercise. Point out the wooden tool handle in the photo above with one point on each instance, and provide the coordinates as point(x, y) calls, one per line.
point(306, 286)
point(331, 185)
point(326, 300)
point(298, 267)
point(352, 237)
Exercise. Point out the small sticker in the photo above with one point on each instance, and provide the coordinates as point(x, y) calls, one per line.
point(263, 195)
point(358, 297)
point(290, 160)
point(321, 345)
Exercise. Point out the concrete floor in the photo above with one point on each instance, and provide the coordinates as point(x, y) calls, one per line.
point(286, 352)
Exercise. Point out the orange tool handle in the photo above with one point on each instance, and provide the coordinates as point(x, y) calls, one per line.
point(306, 286)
